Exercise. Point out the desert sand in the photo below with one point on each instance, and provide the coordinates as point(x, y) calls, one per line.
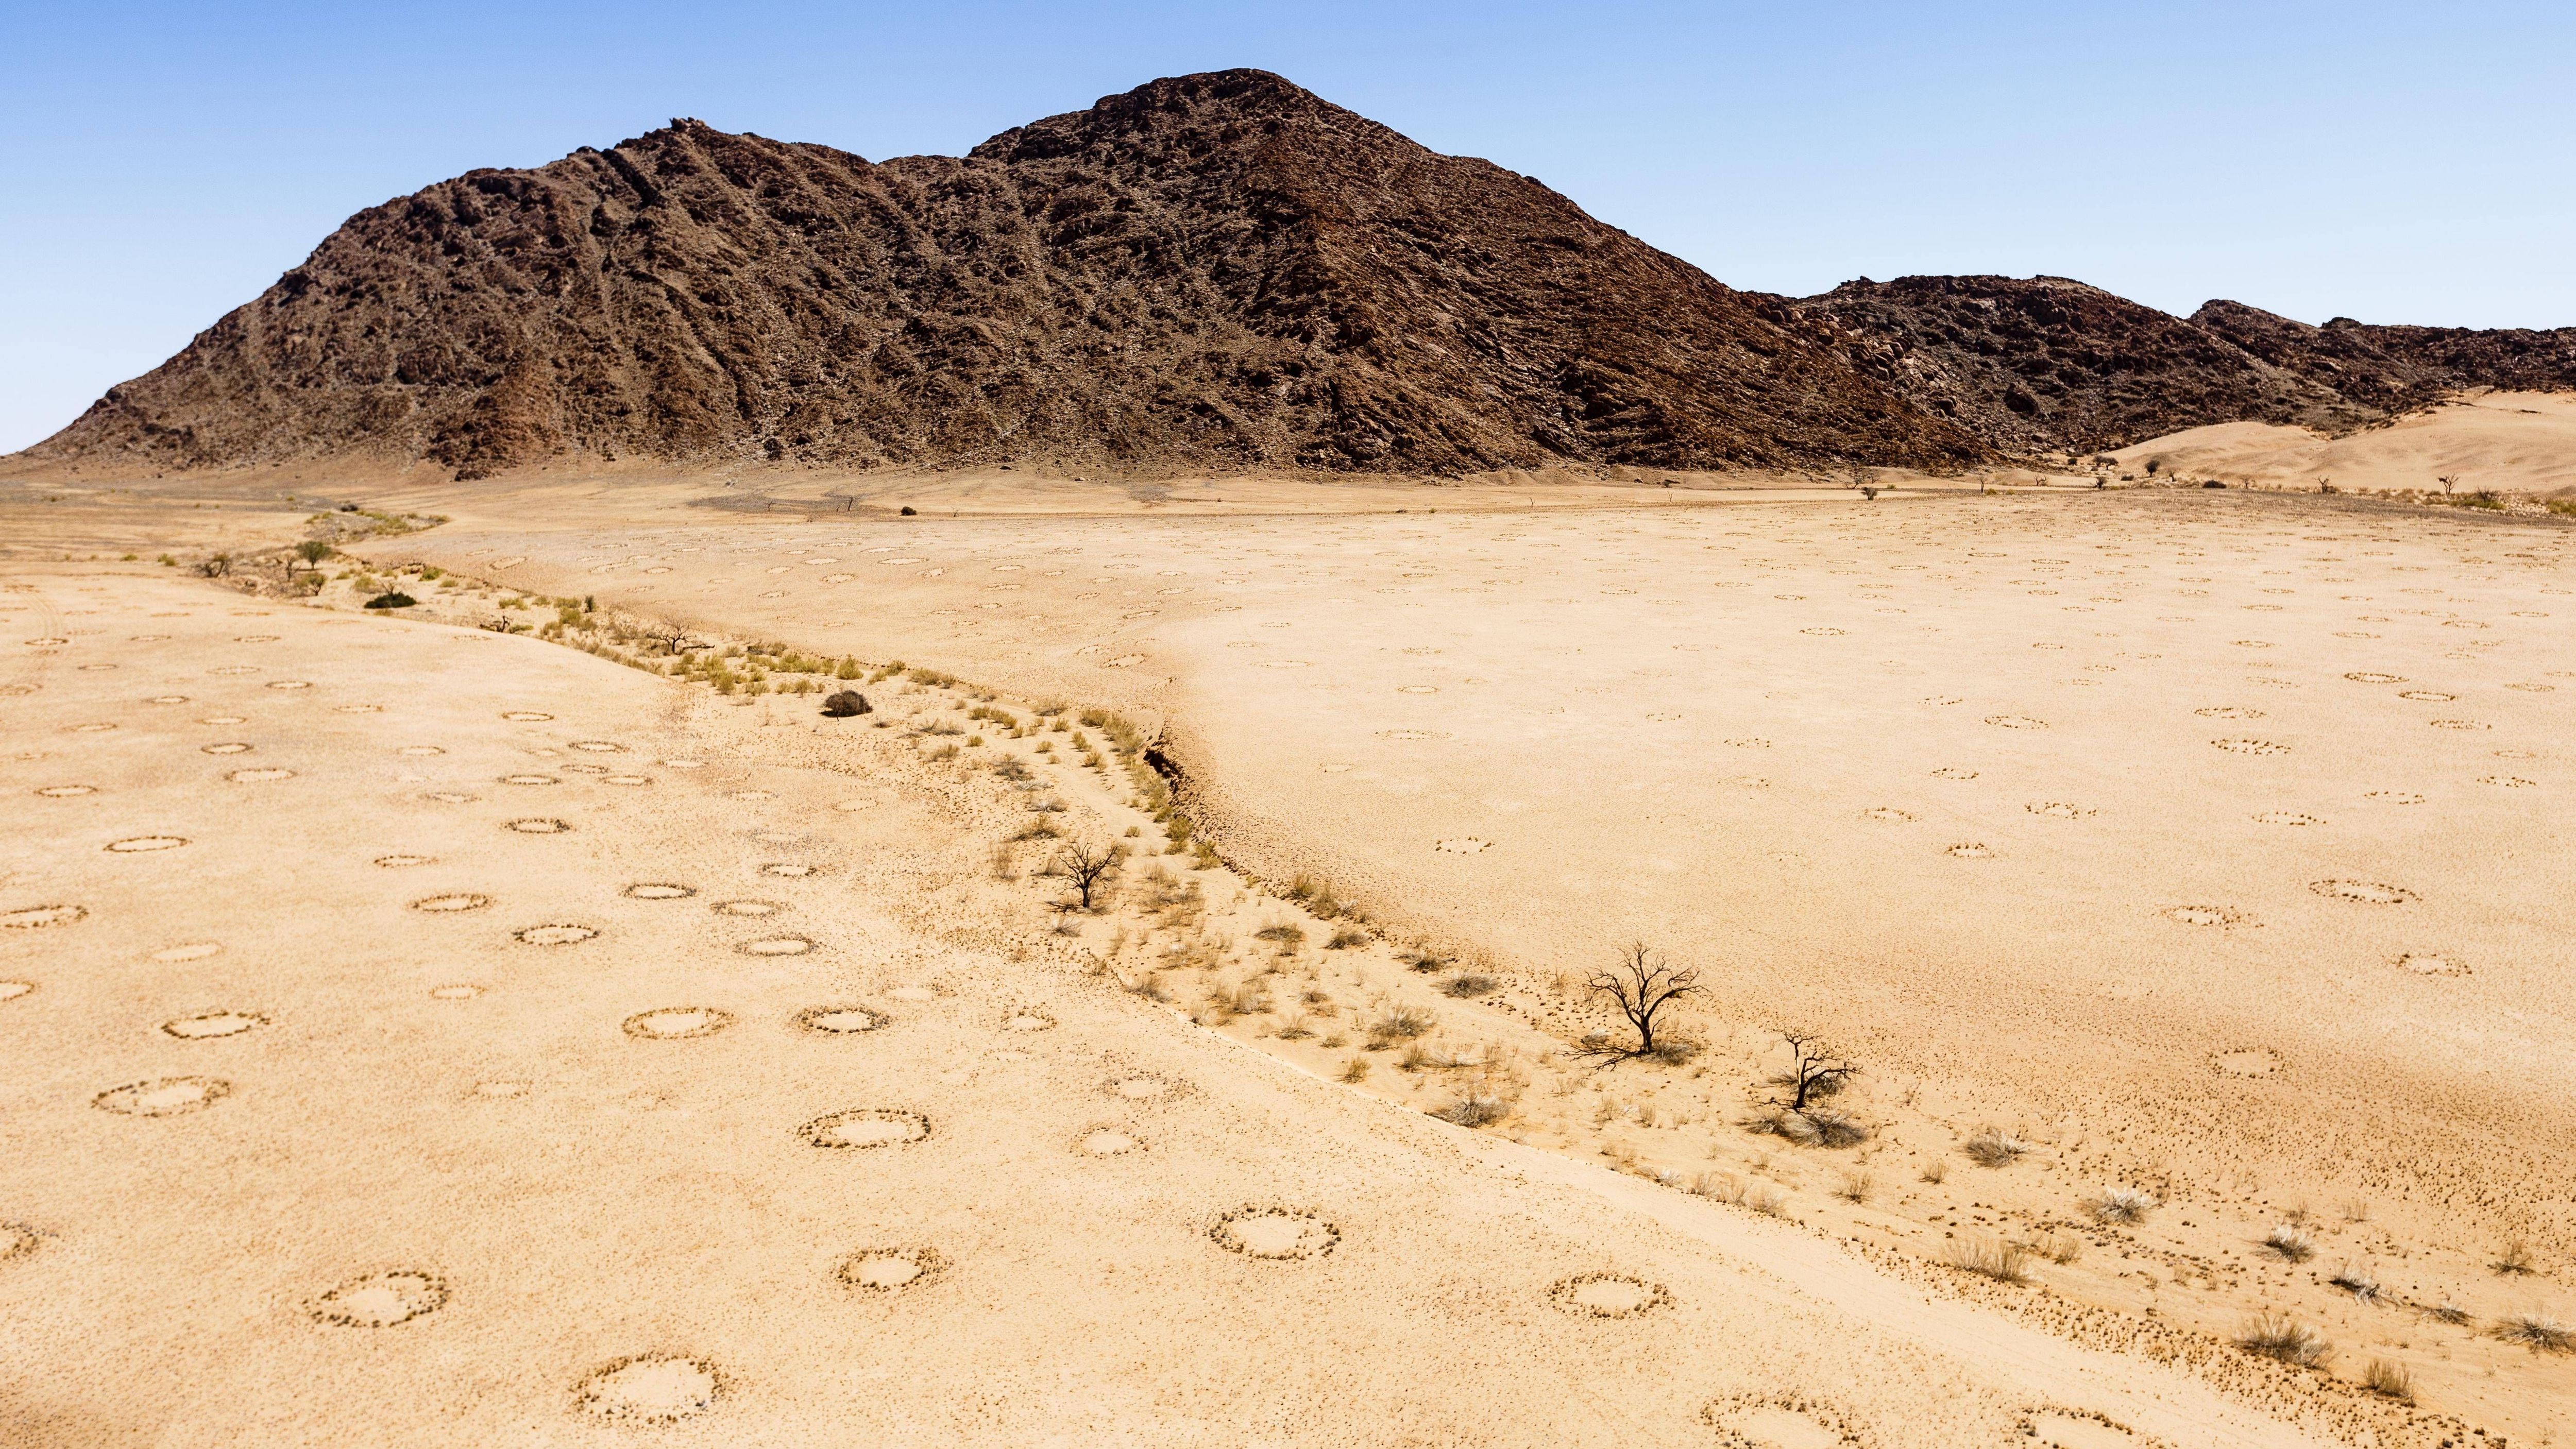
point(437, 1034)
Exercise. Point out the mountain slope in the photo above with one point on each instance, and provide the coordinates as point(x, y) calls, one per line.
point(1211, 271)
point(2044, 364)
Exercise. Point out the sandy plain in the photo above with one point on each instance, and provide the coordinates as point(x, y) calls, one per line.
point(2205, 844)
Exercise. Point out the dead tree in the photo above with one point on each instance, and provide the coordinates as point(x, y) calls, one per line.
point(1641, 985)
point(1816, 1069)
point(1087, 865)
point(672, 637)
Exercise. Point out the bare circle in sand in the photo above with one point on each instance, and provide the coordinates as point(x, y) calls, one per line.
point(2433, 963)
point(2395, 797)
point(381, 1300)
point(228, 747)
point(748, 908)
point(1971, 850)
point(500, 1091)
point(48, 642)
point(865, 1127)
point(455, 991)
point(1029, 1018)
point(530, 779)
point(681, 764)
point(586, 769)
point(776, 946)
point(163, 1096)
point(2286, 817)
point(357, 709)
point(65, 792)
point(2368, 892)
point(651, 1389)
point(456, 901)
point(657, 890)
point(599, 747)
point(30, 918)
point(2204, 915)
point(2509, 782)
point(559, 934)
point(1108, 1142)
point(525, 716)
point(2241, 746)
point(537, 825)
point(789, 870)
point(167, 699)
point(1782, 1421)
point(290, 684)
point(12, 990)
point(101, 727)
point(1953, 772)
point(1888, 815)
point(2459, 724)
point(1412, 735)
point(2245, 1062)
point(2426, 696)
point(626, 779)
point(1608, 1295)
point(208, 1025)
point(914, 993)
point(1144, 1087)
point(452, 797)
point(224, 719)
point(840, 1020)
point(258, 776)
point(751, 795)
point(188, 951)
point(1280, 1234)
point(422, 751)
point(146, 844)
point(256, 639)
point(887, 1270)
point(2016, 722)
point(1462, 845)
point(403, 862)
point(2058, 810)
point(673, 1023)
point(2228, 711)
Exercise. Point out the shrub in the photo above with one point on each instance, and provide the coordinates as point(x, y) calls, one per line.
point(1344, 937)
point(2122, 1205)
point(1288, 936)
point(845, 704)
point(1856, 1188)
point(2514, 1259)
point(1474, 1112)
point(2389, 1380)
point(2537, 1331)
point(1469, 985)
point(2278, 1337)
point(1991, 1148)
point(395, 600)
point(2357, 1280)
point(2290, 1244)
point(1355, 1070)
point(1990, 1258)
point(1402, 1023)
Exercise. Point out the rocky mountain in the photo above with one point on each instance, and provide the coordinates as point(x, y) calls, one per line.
point(2044, 364)
point(1214, 271)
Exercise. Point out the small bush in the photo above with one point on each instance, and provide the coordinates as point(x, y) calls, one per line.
point(1856, 1188)
point(1469, 986)
point(2389, 1381)
point(1936, 1170)
point(396, 600)
point(1990, 1258)
point(2278, 1337)
point(2290, 1244)
point(1288, 936)
point(2537, 1331)
point(1355, 1070)
point(845, 704)
point(1994, 1149)
point(1344, 937)
point(1474, 1112)
point(2122, 1205)
point(2513, 1260)
point(1402, 1023)
point(2357, 1280)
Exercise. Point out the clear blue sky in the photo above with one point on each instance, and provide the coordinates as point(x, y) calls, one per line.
point(2397, 163)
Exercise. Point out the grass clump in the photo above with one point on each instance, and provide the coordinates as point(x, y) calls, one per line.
point(2537, 1331)
point(2284, 1340)
point(1345, 937)
point(1469, 986)
point(2389, 1380)
point(1990, 1258)
point(1991, 1148)
point(1474, 1111)
point(2290, 1244)
point(2122, 1205)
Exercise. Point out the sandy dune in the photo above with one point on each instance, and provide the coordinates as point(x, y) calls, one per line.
point(2517, 442)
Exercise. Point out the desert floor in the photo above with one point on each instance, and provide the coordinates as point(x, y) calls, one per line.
point(2205, 845)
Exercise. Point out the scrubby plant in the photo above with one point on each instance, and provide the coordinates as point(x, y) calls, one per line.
point(2358, 1280)
point(2282, 1338)
point(1469, 985)
point(2290, 1244)
point(2536, 1331)
point(1990, 1258)
point(1345, 937)
point(2389, 1380)
point(1991, 1148)
point(1474, 1111)
point(2122, 1205)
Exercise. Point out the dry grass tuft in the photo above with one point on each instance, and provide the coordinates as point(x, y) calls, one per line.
point(2389, 1381)
point(1990, 1258)
point(1355, 1070)
point(2513, 1259)
point(2059, 1248)
point(2358, 1280)
point(2290, 1244)
point(2285, 1340)
point(1856, 1188)
point(1991, 1148)
point(1402, 1023)
point(1469, 985)
point(2537, 1331)
point(1345, 937)
point(2122, 1205)
point(1474, 1111)
point(1936, 1171)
